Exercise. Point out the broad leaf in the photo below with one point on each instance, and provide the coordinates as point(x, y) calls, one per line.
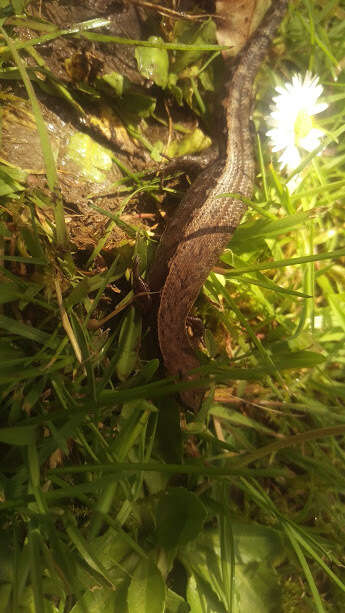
point(146, 592)
point(180, 517)
point(153, 63)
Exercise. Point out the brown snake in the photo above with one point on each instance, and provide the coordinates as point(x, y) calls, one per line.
point(204, 223)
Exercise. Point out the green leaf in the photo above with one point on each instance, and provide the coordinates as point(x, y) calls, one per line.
point(169, 436)
point(5, 593)
point(153, 63)
point(32, 243)
point(146, 592)
point(255, 543)
point(86, 552)
point(176, 604)
point(41, 126)
point(19, 435)
point(36, 569)
point(194, 142)
point(9, 292)
point(258, 550)
point(19, 6)
point(111, 548)
point(16, 327)
point(180, 517)
point(247, 234)
point(9, 181)
point(187, 33)
point(298, 359)
point(96, 600)
point(256, 589)
point(139, 104)
point(129, 341)
point(337, 304)
point(116, 81)
point(93, 159)
point(201, 598)
point(331, 255)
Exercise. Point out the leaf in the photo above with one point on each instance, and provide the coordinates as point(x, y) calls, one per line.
point(237, 24)
point(255, 543)
point(331, 255)
point(34, 540)
point(9, 353)
point(9, 292)
point(139, 104)
point(112, 548)
point(176, 604)
point(146, 592)
point(169, 436)
point(337, 303)
point(115, 80)
point(266, 283)
point(298, 359)
point(256, 589)
point(153, 63)
point(18, 435)
point(257, 549)
point(9, 181)
point(180, 517)
point(104, 599)
point(129, 341)
point(238, 419)
point(41, 126)
point(194, 142)
point(197, 599)
point(186, 33)
point(93, 159)
point(248, 234)
point(19, 6)
point(5, 593)
point(201, 598)
point(85, 550)
point(16, 327)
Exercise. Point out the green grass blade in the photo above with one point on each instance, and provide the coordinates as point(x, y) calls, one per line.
point(41, 126)
point(304, 564)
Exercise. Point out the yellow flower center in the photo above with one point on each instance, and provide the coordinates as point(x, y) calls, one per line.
point(303, 125)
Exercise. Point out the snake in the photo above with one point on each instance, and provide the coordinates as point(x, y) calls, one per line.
point(204, 223)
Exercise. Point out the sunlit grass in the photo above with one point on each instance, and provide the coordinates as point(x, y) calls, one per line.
point(90, 430)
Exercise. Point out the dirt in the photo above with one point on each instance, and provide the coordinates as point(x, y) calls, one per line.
point(100, 122)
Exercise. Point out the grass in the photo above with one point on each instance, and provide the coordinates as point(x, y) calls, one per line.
point(108, 503)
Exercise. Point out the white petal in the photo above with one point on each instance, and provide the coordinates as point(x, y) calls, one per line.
point(290, 158)
point(318, 108)
point(295, 99)
point(312, 140)
point(294, 182)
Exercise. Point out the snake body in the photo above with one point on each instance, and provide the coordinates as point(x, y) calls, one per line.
point(204, 223)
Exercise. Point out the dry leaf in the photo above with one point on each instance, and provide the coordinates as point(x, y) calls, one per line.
point(55, 458)
point(239, 18)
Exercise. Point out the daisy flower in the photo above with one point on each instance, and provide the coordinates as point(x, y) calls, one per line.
point(291, 119)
